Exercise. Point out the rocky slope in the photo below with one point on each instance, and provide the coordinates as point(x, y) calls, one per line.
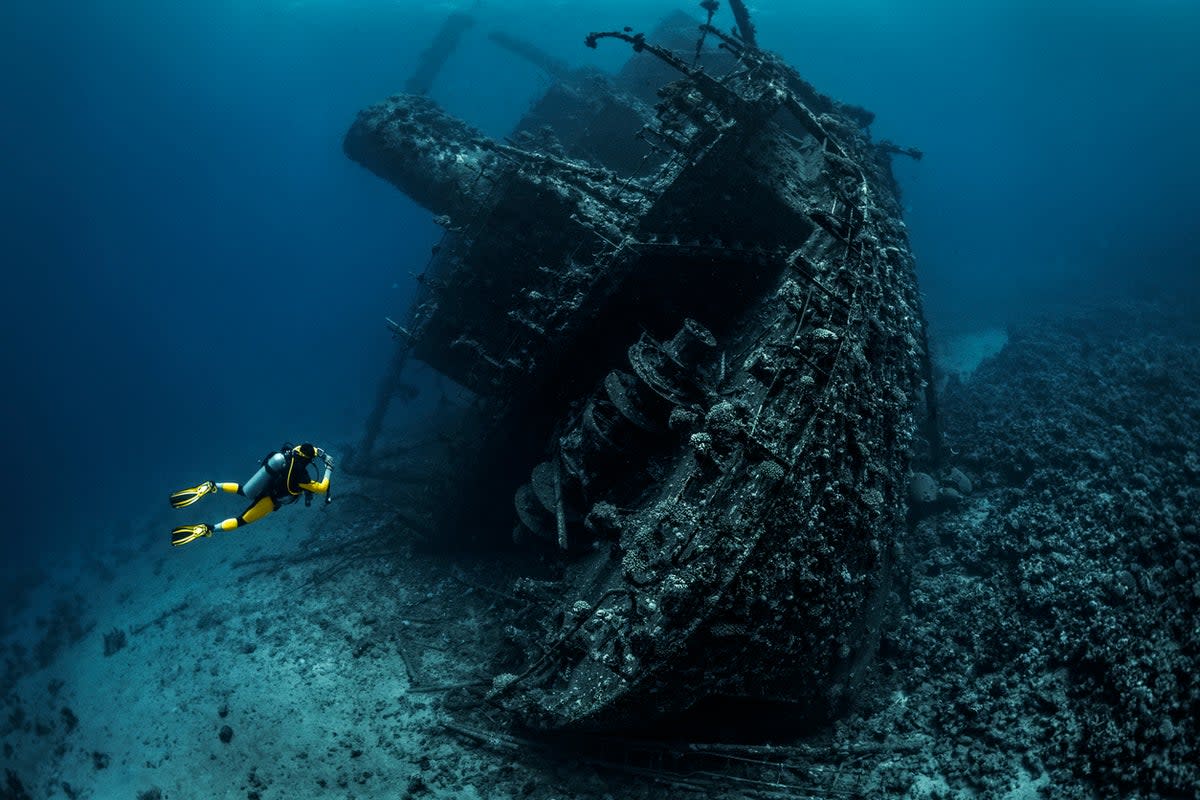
point(1047, 627)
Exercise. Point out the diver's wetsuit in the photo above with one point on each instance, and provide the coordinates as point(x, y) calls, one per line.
point(282, 478)
point(285, 488)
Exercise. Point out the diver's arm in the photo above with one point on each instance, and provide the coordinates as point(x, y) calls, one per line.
point(323, 486)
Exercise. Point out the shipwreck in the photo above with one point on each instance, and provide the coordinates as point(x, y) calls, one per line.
point(683, 300)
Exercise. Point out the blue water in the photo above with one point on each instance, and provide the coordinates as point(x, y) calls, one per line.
point(194, 272)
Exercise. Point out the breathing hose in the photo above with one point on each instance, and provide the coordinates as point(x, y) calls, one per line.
point(329, 488)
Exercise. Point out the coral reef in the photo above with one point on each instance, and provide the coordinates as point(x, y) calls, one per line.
point(1047, 625)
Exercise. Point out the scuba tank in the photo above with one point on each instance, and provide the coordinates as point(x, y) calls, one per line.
point(260, 483)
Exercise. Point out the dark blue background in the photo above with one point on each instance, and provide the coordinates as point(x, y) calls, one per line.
point(194, 271)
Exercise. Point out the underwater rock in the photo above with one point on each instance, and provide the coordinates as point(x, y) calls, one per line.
point(114, 641)
point(225, 734)
point(958, 479)
point(922, 489)
point(699, 383)
point(13, 788)
point(928, 495)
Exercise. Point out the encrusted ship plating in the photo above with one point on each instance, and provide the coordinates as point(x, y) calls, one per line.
point(684, 298)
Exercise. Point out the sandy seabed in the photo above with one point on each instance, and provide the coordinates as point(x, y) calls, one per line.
point(264, 662)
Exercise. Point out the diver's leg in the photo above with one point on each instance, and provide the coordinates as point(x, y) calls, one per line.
point(257, 510)
point(232, 488)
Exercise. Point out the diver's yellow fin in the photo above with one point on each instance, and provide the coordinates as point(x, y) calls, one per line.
point(186, 533)
point(185, 497)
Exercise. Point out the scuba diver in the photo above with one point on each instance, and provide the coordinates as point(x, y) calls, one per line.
point(279, 481)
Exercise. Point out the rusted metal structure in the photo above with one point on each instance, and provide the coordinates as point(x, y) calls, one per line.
point(691, 321)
